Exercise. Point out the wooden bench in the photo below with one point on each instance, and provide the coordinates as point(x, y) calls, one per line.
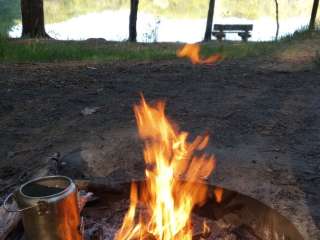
point(243, 30)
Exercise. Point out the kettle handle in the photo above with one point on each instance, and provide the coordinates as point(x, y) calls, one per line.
point(5, 206)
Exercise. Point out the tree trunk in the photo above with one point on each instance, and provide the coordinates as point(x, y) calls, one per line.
point(133, 20)
point(33, 19)
point(277, 18)
point(312, 24)
point(207, 35)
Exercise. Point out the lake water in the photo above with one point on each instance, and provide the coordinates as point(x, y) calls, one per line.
point(113, 25)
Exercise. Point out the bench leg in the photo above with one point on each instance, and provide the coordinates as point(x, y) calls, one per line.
point(220, 36)
point(244, 36)
point(244, 39)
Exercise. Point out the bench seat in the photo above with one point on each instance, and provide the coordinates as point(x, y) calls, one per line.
point(243, 30)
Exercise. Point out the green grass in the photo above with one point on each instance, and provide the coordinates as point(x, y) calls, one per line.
point(54, 51)
point(300, 34)
point(57, 51)
point(232, 50)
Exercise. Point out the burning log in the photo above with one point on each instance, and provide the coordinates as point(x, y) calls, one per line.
point(84, 198)
point(147, 236)
point(167, 200)
point(97, 234)
point(239, 218)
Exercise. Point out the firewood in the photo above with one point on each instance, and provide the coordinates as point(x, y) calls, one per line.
point(97, 234)
point(148, 236)
point(8, 222)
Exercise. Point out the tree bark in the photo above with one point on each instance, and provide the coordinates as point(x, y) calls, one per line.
point(134, 4)
point(33, 19)
point(312, 24)
point(207, 35)
point(277, 19)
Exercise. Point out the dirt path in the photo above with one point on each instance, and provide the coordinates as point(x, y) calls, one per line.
point(265, 125)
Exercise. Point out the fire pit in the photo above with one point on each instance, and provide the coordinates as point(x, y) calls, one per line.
point(236, 217)
point(174, 202)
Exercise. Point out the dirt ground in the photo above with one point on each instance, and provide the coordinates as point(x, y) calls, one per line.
point(264, 123)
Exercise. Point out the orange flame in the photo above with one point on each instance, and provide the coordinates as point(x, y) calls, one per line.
point(192, 51)
point(167, 201)
point(218, 193)
point(205, 229)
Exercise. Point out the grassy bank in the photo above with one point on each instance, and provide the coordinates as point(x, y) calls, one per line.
point(54, 51)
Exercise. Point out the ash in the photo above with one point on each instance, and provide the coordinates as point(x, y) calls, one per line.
point(102, 223)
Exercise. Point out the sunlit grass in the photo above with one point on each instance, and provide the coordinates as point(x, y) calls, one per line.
point(299, 34)
point(50, 51)
point(53, 51)
point(230, 50)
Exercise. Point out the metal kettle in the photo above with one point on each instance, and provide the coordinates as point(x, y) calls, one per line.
point(50, 209)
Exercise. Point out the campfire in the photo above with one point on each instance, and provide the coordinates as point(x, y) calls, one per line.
point(167, 202)
point(174, 202)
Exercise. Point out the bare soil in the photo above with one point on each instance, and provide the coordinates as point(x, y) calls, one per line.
point(264, 123)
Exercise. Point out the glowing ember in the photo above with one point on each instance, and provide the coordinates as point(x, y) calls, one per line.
point(218, 193)
point(205, 229)
point(192, 51)
point(167, 202)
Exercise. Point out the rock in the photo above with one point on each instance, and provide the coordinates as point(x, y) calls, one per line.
point(88, 111)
